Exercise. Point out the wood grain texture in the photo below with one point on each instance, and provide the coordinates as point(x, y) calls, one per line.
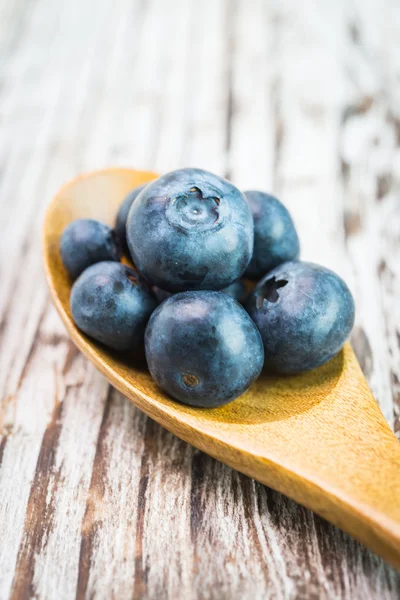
point(275, 98)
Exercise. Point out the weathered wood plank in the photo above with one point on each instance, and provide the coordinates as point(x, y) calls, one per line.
point(367, 147)
point(97, 501)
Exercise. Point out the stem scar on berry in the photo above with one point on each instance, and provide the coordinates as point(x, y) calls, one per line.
point(269, 291)
point(190, 380)
point(194, 209)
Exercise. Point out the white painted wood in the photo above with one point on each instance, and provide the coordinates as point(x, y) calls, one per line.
point(301, 99)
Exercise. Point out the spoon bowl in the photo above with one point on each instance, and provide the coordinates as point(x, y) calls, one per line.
point(319, 437)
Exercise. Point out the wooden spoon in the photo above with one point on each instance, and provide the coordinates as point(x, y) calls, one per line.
point(320, 438)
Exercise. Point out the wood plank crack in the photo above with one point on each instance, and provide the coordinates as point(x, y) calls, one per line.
point(40, 509)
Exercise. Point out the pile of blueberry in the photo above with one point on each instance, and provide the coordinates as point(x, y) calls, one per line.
point(192, 237)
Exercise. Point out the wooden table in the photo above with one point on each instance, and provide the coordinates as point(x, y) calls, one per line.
point(300, 98)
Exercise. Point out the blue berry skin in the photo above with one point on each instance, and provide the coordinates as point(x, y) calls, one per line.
point(190, 230)
point(202, 348)
point(304, 312)
point(160, 294)
point(120, 222)
point(110, 303)
point(275, 237)
point(237, 290)
point(85, 242)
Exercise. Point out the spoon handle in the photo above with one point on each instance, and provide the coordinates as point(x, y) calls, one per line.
point(347, 470)
point(362, 499)
point(339, 458)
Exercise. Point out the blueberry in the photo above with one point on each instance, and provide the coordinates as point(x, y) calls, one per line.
point(203, 348)
point(85, 242)
point(120, 223)
point(275, 237)
point(190, 230)
point(304, 312)
point(160, 294)
point(238, 290)
point(110, 303)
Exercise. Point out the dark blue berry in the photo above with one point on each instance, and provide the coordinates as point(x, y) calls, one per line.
point(203, 348)
point(85, 242)
point(190, 229)
point(238, 290)
point(275, 237)
point(304, 312)
point(120, 223)
point(160, 294)
point(110, 303)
